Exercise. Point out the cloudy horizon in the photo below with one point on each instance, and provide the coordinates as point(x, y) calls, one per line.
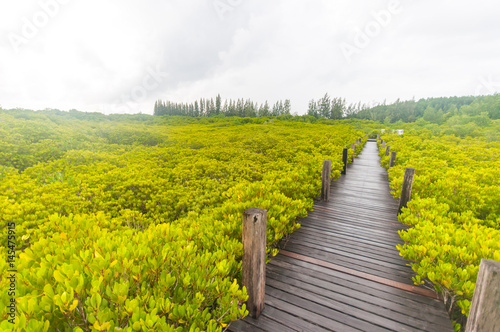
point(122, 56)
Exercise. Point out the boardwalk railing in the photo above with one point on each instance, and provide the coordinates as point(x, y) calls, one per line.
point(484, 313)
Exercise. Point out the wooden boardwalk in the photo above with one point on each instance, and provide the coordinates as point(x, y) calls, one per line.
point(341, 270)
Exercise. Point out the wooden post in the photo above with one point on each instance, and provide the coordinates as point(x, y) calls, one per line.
point(344, 160)
point(406, 190)
point(484, 312)
point(393, 159)
point(378, 137)
point(254, 259)
point(383, 145)
point(325, 180)
point(353, 147)
point(387, 150)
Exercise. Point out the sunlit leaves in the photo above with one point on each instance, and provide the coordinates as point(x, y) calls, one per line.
point(137, 226)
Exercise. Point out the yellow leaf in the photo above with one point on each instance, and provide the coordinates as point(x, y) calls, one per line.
point(63, 236)
point(73, 306)
point(58, 276)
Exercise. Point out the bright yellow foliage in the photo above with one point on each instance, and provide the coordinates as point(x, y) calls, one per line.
point(135, 222)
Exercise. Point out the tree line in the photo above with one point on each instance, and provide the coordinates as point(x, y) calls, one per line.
point(211, 107)
point(434, 110)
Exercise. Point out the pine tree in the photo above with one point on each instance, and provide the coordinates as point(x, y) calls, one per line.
point(196, 108)
point(287, 107)
point(313, 109)
point(337, 108)
point(324, 106)
point(218, 104)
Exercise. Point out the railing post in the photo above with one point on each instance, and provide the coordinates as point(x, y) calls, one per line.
point(378, 137)
point(484, 312)
point(387, 150)
point(344, 160)
point(353, 147)
point(406, 190)
point(383, 145)
point(393, 159)
point(325, 180)
point(254, 259)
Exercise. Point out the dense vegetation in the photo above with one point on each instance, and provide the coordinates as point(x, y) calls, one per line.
point(134, 222)
point(455, 208)
point(450, 111)
point(206, 107)
point(468, 113)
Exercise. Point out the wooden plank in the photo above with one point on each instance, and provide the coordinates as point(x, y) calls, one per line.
point(338, 292)
point(347, 242)
point(346, 219)
point(370, 287)
point(352, 283)
point(391, 260)
point(384, 281)
point(243, 325)
point(322, 317)
point(287, 320)
point(263, 323)
point(378, 235)
point(355, 313)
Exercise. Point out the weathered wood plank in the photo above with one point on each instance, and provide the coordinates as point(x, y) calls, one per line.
point(254, 258)
point(406, 189)
point(326, 180)
point(485, 309)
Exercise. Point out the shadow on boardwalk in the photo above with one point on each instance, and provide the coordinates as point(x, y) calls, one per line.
point(341, 270)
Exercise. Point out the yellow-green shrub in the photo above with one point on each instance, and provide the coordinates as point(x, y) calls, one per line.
point(144, 233)
point(455, 211)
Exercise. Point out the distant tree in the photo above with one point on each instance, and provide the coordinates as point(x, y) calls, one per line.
point(264, 110)
point(225, 107)
point(196, 108)
point(218, 103)
point(203, 111)
point(337, 108)
point(325, 106)
point(433, 115)
point(287, 108)
point(313, 109)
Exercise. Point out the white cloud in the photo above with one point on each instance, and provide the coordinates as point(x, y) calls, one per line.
point(90, 54)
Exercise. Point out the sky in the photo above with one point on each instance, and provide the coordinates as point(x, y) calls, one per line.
point(120, 56)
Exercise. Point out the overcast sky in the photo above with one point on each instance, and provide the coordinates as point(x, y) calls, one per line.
point(119, 56)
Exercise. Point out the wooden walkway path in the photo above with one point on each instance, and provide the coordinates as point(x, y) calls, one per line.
point(341, 270)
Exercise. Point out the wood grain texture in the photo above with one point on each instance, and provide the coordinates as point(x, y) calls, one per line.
point(254, 258)
point(326, 180)
point(406, 189)
point(392, 161)
point(484, 313)
point(344, 161)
